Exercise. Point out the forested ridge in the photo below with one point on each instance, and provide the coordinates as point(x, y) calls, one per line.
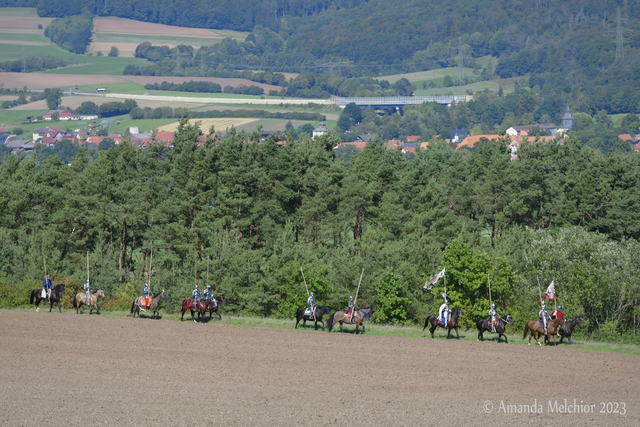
point(256, 213)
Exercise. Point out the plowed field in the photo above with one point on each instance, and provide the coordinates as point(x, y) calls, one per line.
point(69, 369)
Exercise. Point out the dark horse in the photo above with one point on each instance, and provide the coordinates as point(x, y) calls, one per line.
point(188, 305)
point(154, 305)
point(501, 325)
point(319, 313)
point(568, 329)
point(453, 323)
point(56, 295)
point(211, 307)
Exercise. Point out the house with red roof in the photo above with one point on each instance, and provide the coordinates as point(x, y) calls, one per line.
point(413, 138)
point(392, 144)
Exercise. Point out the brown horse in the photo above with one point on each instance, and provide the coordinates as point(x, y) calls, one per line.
point(357, 318)
point(188, 305)
point(81, 299)
point(211, 307)
point(535, 328)
point(154, 304)
point(500, 327)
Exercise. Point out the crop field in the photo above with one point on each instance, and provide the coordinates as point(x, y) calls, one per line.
point(220, 124)
point(120, 371)
point(127, 34)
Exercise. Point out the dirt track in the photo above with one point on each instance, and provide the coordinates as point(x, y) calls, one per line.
point(120, 371)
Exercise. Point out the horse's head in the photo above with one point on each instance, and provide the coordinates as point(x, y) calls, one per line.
point(221, 299)
point(458, 311)
point(367, 312)
point(100, 293)
point(509, 319)
point(579, 321)
point(60, 288)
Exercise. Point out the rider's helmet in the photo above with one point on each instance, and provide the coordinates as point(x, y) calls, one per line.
point(311, 294)
point(208, 286)
point(146, 284)
point(48, 276)
point(543, 305)
point(559, 307)
point(493, 306)
point(196, 286)
point(350, 296)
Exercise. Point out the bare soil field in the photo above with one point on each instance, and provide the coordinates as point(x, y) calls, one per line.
point(86, 369)
point(127, 26)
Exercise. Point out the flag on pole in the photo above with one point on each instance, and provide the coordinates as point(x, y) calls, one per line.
point(551, 291)
point(431, 282)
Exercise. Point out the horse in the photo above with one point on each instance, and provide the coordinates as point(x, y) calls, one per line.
point(81, 299)
point(319, 313)
point(210, 307)
point(154, 304)
point(567, 330)
point(188, 305)
point(501, 325)
point(357, 318)
point(56, 295)
point(534, 327)
point(453, 323)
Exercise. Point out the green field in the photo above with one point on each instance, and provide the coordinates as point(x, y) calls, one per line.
point(155, 40)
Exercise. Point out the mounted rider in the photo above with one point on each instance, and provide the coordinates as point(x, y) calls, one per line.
point(545, 318)
point(87, 291)
point(350, 307)
point(311, 302)
point(557, 314)
point(47, 285)
point(494, 316)
point(444, 312)
point(196, 295)
point(147, 296)
point(208, 295)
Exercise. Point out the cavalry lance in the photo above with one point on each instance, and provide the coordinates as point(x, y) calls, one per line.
point(313, 309)
point(354, 301)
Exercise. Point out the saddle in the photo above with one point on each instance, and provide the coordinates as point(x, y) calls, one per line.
point(142, 302)
point(188, 305)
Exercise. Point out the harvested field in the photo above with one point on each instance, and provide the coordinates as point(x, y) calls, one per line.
point(43, 81)
point(22, 18)
point(220, 124)
point(128, 26)
point(24, 43)
point(75, 101)
point(125, 50)
point(93, 369)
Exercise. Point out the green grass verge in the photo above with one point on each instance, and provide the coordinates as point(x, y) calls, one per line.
point(155, 40)
point(23, 38)
point(380, 330)
point(19, 11)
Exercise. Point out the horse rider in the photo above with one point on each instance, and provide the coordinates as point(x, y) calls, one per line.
point(494, 315)
point(557, 314)
point(87, 291)
point(544, 316)
point(47, 285)
point(311, 302)
point(147, 295)
point(350, 307)
point(208, 295)
point(196, 295)
point(443, 313)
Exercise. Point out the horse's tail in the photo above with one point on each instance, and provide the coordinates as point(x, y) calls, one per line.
point(526, 328)
point(426, 322)
point(133, 305)
point(32, 297)
point(75, 303)
point(330, 321)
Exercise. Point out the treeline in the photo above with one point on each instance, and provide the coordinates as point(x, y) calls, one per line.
point(33, 64)
point(168, 113)
point(256, 213)
point(108, 109)
point(72, 33)
point(205, 87)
